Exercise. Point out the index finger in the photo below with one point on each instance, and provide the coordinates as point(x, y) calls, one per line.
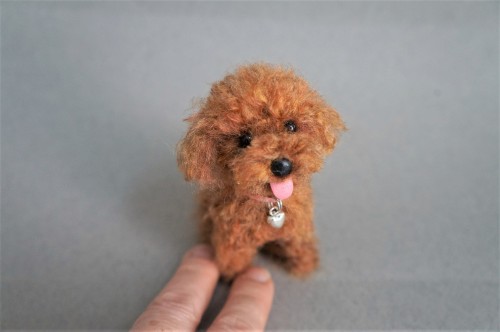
point(180, 305)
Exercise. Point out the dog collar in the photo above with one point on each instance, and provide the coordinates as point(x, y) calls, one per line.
point(263, 199)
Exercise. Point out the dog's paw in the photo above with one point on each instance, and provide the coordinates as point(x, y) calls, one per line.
point(301, 267)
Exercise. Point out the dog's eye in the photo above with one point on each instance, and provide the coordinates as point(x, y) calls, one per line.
point(290, 126)
point(244, 140)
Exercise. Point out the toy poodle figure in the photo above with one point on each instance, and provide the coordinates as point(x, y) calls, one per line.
point(252, 148)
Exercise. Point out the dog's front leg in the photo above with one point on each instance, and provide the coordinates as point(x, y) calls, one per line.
point(298, 255)
point(233, 253)
point(301, 256)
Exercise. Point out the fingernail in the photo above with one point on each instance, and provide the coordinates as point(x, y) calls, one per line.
point(258, 274)
point(201, 251)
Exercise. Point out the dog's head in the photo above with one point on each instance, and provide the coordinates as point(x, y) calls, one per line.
point(262, 129)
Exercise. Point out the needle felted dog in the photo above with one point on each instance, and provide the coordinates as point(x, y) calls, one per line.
point(252, 147)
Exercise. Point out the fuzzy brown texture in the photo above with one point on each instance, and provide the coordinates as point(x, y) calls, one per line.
point(258, 99)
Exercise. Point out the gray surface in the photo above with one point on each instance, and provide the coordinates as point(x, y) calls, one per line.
point(95, 215)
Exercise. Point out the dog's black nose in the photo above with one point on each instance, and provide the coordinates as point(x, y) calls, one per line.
point(281, 167)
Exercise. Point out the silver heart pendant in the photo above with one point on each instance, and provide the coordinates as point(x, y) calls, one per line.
point(277, 219)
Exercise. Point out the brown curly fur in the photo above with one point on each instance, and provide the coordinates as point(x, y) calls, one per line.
point(258, 98)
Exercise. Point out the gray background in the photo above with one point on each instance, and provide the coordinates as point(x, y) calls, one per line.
point(95, 215)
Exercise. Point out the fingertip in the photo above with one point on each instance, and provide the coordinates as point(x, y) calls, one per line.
point(257, 274)
point(203, 251)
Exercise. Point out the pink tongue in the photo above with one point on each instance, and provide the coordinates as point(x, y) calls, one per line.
point(282, 190)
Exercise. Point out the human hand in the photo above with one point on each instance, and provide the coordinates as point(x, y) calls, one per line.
point(180, 305)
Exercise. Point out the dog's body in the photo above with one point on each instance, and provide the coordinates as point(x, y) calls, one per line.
point(256, 140)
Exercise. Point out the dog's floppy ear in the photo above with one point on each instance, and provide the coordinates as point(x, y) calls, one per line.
point(333, 126)
point(196, 153)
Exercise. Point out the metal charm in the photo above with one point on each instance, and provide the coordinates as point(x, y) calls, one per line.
point(276, 217)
